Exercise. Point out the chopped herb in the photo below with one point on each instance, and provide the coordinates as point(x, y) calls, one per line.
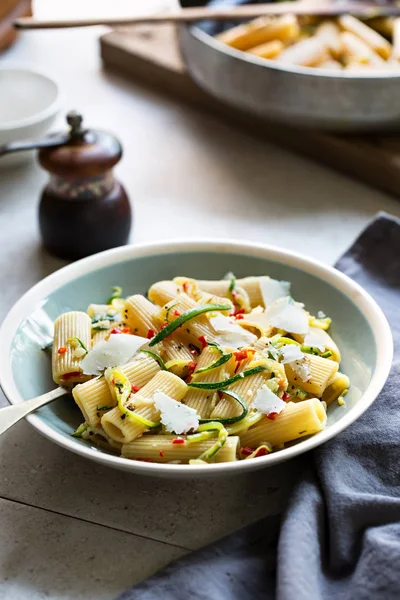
point(186, 316)
point(103, 408)
point(79, 430)
point(157, 358)
point(327, 354)
point(117, 293)
point(220, 385)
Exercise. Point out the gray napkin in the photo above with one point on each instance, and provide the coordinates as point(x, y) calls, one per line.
point(339, 537)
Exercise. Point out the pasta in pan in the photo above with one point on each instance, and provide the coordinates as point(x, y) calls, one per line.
point(200, 371)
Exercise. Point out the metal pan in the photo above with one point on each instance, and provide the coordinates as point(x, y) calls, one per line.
point(299, 96)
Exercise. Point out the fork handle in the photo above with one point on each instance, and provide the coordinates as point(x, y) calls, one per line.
point(12, 414)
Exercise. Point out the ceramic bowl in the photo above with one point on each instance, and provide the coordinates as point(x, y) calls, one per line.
point(359, 327)
point(29, 103)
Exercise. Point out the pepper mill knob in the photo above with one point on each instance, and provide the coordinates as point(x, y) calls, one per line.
point(75, 120)
point(83, 209)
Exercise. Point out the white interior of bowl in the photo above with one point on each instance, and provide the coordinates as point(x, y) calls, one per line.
point(26, 97)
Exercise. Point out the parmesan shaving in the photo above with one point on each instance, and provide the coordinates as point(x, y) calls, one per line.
point(272, 290)
point(175, 416)
point(290, 353)
point(288, 315)
point(267, 402)
point(311, 339)
point(115, 351)
point(231, 334)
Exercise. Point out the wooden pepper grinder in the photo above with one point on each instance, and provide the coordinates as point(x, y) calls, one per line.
point(83, 209)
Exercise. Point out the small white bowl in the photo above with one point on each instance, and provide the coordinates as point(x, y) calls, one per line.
point(29, 103)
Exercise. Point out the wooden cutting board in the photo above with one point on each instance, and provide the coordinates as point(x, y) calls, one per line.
point(151, 55)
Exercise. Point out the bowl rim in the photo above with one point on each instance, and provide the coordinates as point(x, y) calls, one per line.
point(43, 114)
point(372, 312)
point(267, 63)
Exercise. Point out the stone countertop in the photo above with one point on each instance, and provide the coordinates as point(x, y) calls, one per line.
point(74, 529)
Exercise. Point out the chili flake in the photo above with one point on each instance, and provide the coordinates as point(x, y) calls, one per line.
point(203, 342)
point(161, 454)
point(246, 450)
point(150, 334)
point(135, 388)
point(178, 441)
point(239, 316)
point(62, 350)
point(240, 355)
point(285, 396)
point(261, 452)
point(177, 313)
point(272, 415)
point(191, 367)
point(116, 330)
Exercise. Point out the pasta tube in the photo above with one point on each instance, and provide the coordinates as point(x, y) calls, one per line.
point(95, 394)
point(335, 388)
point(258, 31)
point(163, 292)
point(365, 33)
point(310, 52)
point(66, 358)
point(396, 39)
point(160, 448)
point(268, 50)
point(138, 315)
point(124, 430)
point(358, 51)
point(204, 401)
point(329, 33)
point(295, 421)
point(321, 371)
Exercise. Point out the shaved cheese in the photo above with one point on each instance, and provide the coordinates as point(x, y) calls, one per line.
point(312, 339)
point(231, 334)
point(115, 351)
point(267, 402)
point(272, 289)
point(177, 417)
point(290, 353)
point(288, 315)
point(302, 369)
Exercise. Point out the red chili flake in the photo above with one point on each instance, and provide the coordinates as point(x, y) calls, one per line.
point(161, 454)
point(150, 334)
point(191, 367)
point(135, 388)
point(112, 381)
point(185, 287)
point(177, 313)
point(239, 311)
point(178, 441)
point(285, 396)
point(164, 326)
point(62, 350)
point(261, 452)
point(116, 330)
point(203, 342)
point(272, 415)
point(238, 317)
point(126, 330)
point(240, 355)
point(234, 293)
point(70, 375)
point(246, 450)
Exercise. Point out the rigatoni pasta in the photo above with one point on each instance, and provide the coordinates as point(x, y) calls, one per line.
point(201, 371)
point(344, 43)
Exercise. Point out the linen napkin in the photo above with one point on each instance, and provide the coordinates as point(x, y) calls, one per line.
point(339, 536)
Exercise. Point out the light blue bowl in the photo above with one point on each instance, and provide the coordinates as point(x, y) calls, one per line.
point(359, 328)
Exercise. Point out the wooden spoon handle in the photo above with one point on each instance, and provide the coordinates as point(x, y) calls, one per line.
point(248, 11)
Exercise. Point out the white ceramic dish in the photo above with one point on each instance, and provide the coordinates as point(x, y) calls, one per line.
point(359, 327)
point(29, 103)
